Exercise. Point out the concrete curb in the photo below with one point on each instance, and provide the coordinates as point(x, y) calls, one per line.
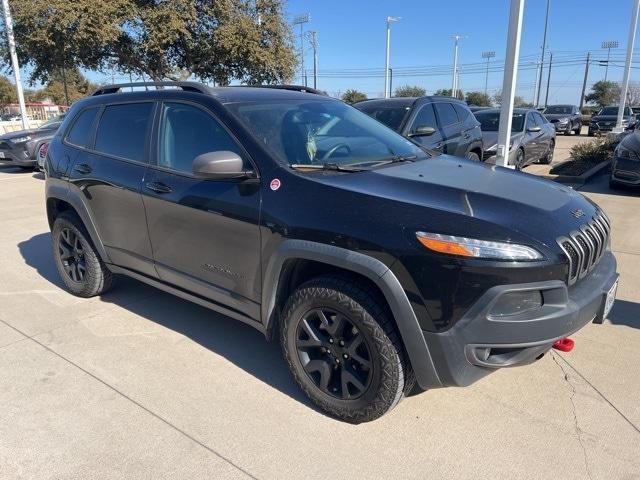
point(579, 179)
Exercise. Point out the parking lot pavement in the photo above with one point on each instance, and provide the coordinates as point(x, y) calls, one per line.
point(140, 384)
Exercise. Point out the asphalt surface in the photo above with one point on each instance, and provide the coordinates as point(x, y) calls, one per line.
point(140, 384)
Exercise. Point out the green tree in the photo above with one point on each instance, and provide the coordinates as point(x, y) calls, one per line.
point(352, 96)
point(8, 92)
point(519, 101)
point(604, 93)
point(77, 87)
point(410, 91)
point(446, 92)
point(213, 40)
point(478, 98)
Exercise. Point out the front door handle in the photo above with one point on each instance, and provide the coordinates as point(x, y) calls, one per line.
point(158, 187)
point(83, 168)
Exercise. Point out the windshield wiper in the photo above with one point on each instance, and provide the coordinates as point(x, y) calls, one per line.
point(325, 166)
point(387, 161)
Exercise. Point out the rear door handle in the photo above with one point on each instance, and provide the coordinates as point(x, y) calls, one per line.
point(158, 187)
point(82, 168)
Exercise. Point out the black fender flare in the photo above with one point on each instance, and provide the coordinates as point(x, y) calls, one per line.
point(63, 193)
point(374, 270)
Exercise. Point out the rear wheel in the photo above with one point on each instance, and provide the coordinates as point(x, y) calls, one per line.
point(472, 156)
point(343, 349)
point(77, 261)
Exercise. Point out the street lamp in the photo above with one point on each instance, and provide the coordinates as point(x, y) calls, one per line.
point(454, 84)
point(488, 56)
point(301, 20)
point(627, 65)
point(608, 46)
point(313, 39)
point(390, 20)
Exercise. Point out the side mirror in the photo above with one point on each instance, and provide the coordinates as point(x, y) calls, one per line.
point(219, 166)
point(423, 131)
point(534, 129)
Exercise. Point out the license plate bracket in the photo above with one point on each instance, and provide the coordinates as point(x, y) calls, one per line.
point(608, 300)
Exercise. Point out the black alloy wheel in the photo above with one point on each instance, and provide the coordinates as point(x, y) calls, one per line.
point(72, 255)
point(334, 353)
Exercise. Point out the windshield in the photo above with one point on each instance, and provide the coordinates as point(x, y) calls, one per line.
point(490, 121)
point(613, 111)
point(391, 116)
point(318, 132)
point(53, 122)
point(558, 110)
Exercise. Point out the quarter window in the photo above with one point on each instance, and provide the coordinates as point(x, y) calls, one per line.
point(82, 128)
point(446, 114)
point(186, 132)
point(123, 130)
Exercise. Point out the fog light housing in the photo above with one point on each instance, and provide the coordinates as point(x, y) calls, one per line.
point(516, 303)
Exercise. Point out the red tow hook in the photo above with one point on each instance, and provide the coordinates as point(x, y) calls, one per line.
point(564, 344)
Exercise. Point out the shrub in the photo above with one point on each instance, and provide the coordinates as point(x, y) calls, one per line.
point(594, 151)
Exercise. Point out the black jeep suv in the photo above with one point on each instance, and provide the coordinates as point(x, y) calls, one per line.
point(376, 262)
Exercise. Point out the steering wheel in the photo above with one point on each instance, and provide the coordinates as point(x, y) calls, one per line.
point(334, 149)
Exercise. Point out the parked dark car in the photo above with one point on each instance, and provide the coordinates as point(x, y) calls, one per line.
point(565, 118)
point(21, 148)
point(442, 124)
point(605, 120)
point(375, 262)
point(625, 167)
point(533, 138)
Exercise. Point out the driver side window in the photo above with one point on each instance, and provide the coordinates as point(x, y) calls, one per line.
point(187, 131)
point(531, 121)
point(426, 117)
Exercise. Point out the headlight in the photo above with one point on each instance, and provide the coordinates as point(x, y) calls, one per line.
point(623, 152)
point(471, 247)
point(21, 139)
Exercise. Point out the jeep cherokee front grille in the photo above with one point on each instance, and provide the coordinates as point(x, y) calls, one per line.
point(584, 247)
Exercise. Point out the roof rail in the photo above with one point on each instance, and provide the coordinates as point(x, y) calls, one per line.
point(186, 86)
point(295, 88)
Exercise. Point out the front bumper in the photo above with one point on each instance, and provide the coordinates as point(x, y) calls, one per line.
point(479, 343)
point(16, 155)
point(625, 170)
point(561, 127)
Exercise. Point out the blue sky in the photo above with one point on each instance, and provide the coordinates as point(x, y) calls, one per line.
point(351, 35)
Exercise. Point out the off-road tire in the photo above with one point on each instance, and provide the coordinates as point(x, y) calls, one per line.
point(392, 375)
point(97, 278)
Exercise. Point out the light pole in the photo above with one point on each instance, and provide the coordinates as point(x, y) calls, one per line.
point(390, 20)
point(544, 48)
point(627, 66)
point(454, 83)
point(608, 46)
point(14, 63)
point(301, 20)
point(488, 56)
point(509, 81)
point(313, 38)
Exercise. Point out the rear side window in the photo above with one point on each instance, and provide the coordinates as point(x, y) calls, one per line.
point(123, 130)
point(462, 111)
point(186, 132)
point(82, 127)
point(425, 117)
point(446, 114)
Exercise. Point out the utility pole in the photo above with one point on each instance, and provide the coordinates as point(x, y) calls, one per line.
point(314, 45)
point(536, 85)
point(64, 84)
point(14, 63)
point(454, 83)
point(509, 81)
point(608, 46)
point(544, 49)
point(627, 66)
point(488, 56)
point(390, 20)
point(301, 20)
point(391, 82)
point(584, 82)
point(546, 98)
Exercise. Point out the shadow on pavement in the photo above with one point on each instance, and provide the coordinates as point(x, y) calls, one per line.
point(241, 344)
point(600, 184)
point(625, 313)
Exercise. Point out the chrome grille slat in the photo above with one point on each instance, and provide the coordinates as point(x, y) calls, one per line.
point(584, 247)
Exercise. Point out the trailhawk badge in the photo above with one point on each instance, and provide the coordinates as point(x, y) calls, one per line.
point(275, 184)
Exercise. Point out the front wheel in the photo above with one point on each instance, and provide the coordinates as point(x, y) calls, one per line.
point(472, 156)
point(548, 158)
point(343, 350)
point(519, 159)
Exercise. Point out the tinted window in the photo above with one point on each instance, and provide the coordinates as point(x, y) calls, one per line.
point(490, 121)
point(614, 111)
point(425, 117)
point(446, 114)
point(81, 129)
point(123, 130)
point(186, 132)
point(392, 117)
point(462, 111)
point(531, 120)
point(540, 120)
point(559, 110)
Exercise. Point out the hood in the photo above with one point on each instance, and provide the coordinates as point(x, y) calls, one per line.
point(17, 134)
point(471, 193)
point(608, 118)
point(34, 133)
point(557, 116)
point(489, 139)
